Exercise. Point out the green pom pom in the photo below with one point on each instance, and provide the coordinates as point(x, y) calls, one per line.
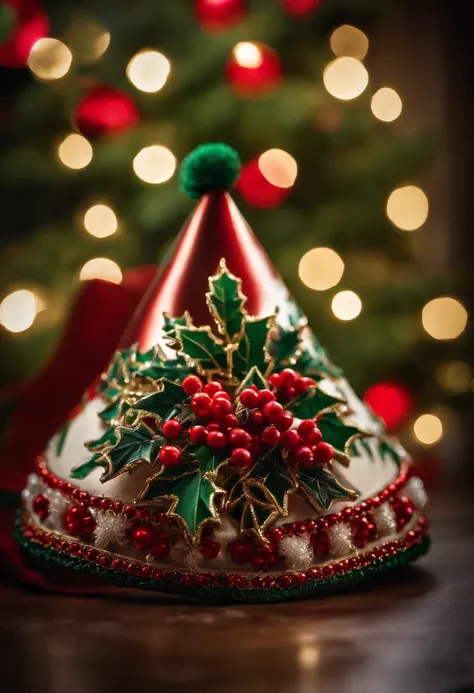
point(209, 167)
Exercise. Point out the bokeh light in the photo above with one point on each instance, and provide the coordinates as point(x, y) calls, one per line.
point(18, 310)
point(386, 104)
point(87, 39)
point(346, 305)
point(148, 71)
point(75, 151)
point(391, 401)
point(345, 78)
point(155, 164)
point(348, 41)
point(100, 221)
point(428, 429)
point(408, 207)
point(49, 59)
point(321, 269)
point(444, 318)
point(454, 377)
point(248, 54)
point(278, 167)
point(101, 268)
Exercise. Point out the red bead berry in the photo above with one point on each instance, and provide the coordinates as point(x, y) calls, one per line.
point(403, 509)
point(221, 408)
point(287, 377)
point(201, 404)
point(363, 531)
point(192, 384)
point(256, 446)
point(305, 428)
point(161, 549)
point(274, 380)
point(320, 543)
point(170, 456)
point(271, 435)
point(275, 535)
point(303, 456)
point(216, 439)
point(256, 422)
point(171, 428)
point(284, 422)
point(240, 438)
point(322, 453)
point(315, 437)
point(210, 548)
point(212, 387)
point(231, 421)
point(289, 439)
point(142, 537)
point(249, 398)
point(241, 551)
point(213, 427)
point(222, 395)
point(241, 458)
point(302, 385)
point(78, 521)
point(264, 397)
point(259, 562)
point(198, 434)
point(286, 394)
point(40, 506)
point(272, 411)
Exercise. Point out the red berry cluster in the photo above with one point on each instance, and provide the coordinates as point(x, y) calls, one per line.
point(40, 506)
point(244, 551)
point(263, 421)
point(146, 538)
point(78, 521)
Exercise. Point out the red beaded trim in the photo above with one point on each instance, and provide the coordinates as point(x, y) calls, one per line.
point(289, 528)
point(38, 535)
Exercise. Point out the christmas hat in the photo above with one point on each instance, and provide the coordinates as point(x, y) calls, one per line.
point(223, 456)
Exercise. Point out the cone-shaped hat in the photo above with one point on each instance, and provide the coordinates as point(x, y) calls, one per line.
point(224, 456)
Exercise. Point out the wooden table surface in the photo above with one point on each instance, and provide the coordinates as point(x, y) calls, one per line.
point(413, 632)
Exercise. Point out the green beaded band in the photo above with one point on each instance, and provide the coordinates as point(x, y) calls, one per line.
point(224, 594)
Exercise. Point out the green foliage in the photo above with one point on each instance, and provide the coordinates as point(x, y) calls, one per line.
point(164, 403)
point(209, 167)
point(321, 488)
point(226, 303)
point(336, 432)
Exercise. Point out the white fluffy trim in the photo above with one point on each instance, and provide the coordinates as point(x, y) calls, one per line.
point(385, 520)
point(297, 552)
point(111, 528)
point(340, 539)
point(415, 491)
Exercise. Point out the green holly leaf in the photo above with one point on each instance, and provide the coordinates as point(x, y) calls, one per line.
point(315, 362)
point(61, 440)
point(113, 411)
point(253, 377)
point(310, 404)
point(321, 488)
point(191, 488)
point(382, 447)
point(337, 433)
point(131, 447)
point(252, 349)
point(107, 439)
point(226, 301)
point(253, 517)
point(286, 348)
point(200, 347)
point(271, 477)
point(171, 325)
point(165, 402)
point(85, 469)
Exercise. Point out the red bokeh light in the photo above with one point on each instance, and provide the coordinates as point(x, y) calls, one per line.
point(253, 69)
point(31, 25)
point(105, 110)
point(391, 401)
point(301, 7)
point(219, 14)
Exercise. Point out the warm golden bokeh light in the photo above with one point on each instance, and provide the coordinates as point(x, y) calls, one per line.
point(346, 305)
point(444, 318)
point(386, 105)
point(321, 269)
point(100, 221)
point(348, 41)
point(428, 429)
point(148, 71)
point(101, 268)
point(75, 151)
point(49, 59)
point(248, 54)
point(408, 207)
point(155, 164)
point(86, 38)
point(345, 78)
point(18, 310)
point(278, 167)
point(454, 377)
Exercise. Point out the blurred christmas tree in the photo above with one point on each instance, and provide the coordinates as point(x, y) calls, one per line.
point(93, 130)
